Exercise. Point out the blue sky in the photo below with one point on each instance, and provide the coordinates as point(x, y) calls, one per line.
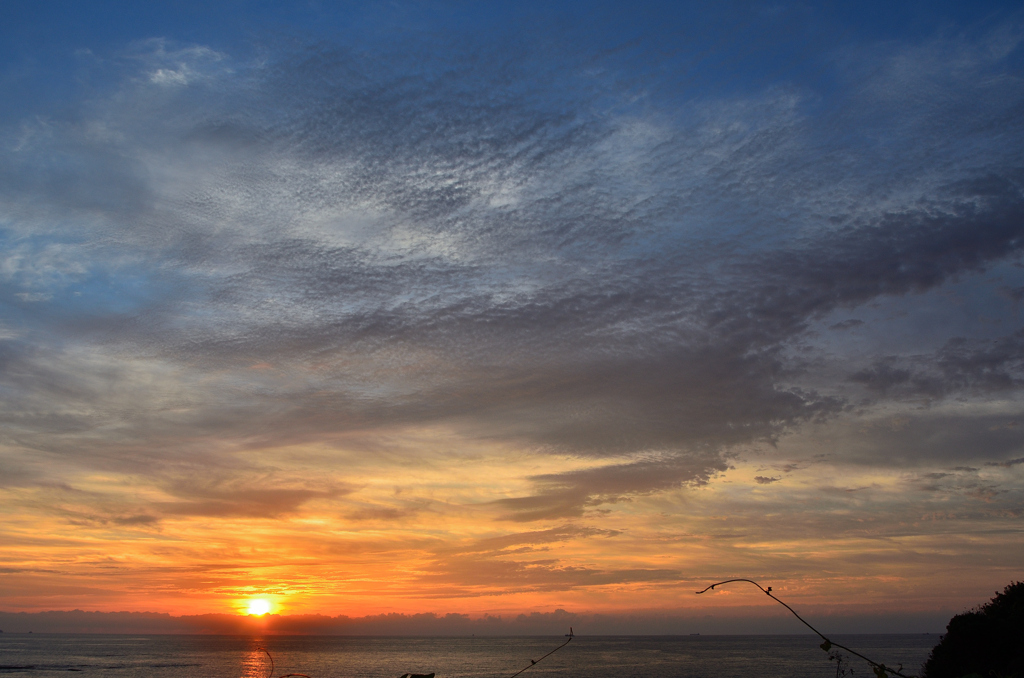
point(579, 279)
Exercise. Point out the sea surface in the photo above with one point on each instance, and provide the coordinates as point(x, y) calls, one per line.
point(183, 656)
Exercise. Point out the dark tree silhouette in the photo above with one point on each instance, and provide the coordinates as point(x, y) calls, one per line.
point(987, 642)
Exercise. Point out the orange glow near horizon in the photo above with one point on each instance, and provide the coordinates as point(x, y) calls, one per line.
point(435, 541)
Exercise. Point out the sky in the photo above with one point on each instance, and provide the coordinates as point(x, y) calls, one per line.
point(509, 308)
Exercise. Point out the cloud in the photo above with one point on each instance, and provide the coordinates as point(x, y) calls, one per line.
point(266, 502)
point(881, 376)
point(380, 513)
point(1007, 464)
point(961, 365)
point(434, 236)
point(556, 534)
point(470, 576)
point(936, 437)
point(569, 494)
point(993, 367)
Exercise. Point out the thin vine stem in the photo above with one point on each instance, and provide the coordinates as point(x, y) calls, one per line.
point(271, 675)
point(534, 663)
point(880, 669)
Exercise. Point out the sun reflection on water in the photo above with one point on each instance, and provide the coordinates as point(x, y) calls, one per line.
point(256, 663)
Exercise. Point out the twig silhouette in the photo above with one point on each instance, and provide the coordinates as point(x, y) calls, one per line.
point(880, 669)
point(533, 663)
point(271, 674)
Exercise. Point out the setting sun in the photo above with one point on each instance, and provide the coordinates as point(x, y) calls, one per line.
point(259, 606)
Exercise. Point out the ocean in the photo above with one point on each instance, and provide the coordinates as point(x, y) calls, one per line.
point(184, 656)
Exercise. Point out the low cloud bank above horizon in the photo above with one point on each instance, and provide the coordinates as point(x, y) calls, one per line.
point(743, 620)
point(508, 317)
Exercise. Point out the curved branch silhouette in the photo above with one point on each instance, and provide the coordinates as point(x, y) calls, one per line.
point(271, 675)
point(532, 662)
point(880, 669)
